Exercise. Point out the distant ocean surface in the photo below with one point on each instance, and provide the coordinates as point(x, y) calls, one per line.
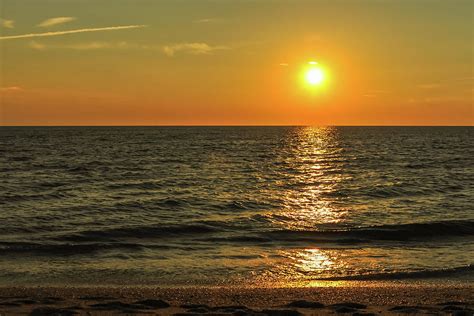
point(177, 206)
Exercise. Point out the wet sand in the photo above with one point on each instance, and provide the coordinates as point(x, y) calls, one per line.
point(362, 299)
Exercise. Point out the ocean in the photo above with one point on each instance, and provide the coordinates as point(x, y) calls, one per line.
point(256, 206)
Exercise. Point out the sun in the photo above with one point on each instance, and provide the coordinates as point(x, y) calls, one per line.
point(315, 76)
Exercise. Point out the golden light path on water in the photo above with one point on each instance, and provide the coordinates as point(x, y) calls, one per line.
point(316, 156)
point(318, 152)
point(316, 159)
point(321, 165)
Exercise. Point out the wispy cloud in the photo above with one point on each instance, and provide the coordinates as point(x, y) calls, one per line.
point(169, 50)
point(284, 64)
point(91, 46)
point(440, 99)
point(208, 20)
point(374, 93)
point(445, 83)
point(9, 24)
point(204, 20)
point(59, 33)
point(56, 21)
point(191, 48)
point(464, 79)
point(378, 91)
point(36, 45)
point(429, 86)
point(10, 89)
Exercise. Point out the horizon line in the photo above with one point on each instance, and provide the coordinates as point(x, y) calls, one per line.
point(236, 125)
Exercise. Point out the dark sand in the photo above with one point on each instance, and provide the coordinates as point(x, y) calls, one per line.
point(356, 299)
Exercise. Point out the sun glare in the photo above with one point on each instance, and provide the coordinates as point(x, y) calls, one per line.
point(315, 76)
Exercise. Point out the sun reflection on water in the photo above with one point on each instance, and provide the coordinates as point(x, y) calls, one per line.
point(315, 160)
point(314, 155)
point(310, 260)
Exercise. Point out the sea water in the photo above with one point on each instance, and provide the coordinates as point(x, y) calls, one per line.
point(176, 206)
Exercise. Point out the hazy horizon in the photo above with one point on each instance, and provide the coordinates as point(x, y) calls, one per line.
point(250, 125)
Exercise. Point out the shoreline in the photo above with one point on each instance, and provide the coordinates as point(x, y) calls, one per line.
point(364, 298)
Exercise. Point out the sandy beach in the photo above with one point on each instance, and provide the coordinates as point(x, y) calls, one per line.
point(355, 299)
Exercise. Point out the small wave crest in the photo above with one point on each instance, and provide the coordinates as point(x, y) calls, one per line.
point(152, 231)
point(401, 232)
point(242, 232)
point(422, 274)
point(64, 249)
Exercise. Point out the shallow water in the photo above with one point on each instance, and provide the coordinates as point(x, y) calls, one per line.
point(234, 205)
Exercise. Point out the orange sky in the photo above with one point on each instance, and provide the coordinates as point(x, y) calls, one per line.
point(236, 62)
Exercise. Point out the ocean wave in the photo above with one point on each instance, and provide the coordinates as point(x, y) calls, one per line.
point(237, 239)
point(13, 197)
point(146, 185)
point(151, 231)
point(401, 232)
point(243, 232)
point(20, 158)
point(401, 190)
point(422, 274)
point(63, 249)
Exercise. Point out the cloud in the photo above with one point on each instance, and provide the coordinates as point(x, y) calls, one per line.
point(56, 21)
point(284, 64)
point(209, 20)
point(464, 79)
point(9, 24)
point(191, 48)
point(10, 89)
point(439, 99)
point(99, 29)
point(445, 83)
point(374, 93)
point(204, 20)
point(37, 46)
point(170, 50)
point(102, 45)
point(90, 46)
point(429, 86)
